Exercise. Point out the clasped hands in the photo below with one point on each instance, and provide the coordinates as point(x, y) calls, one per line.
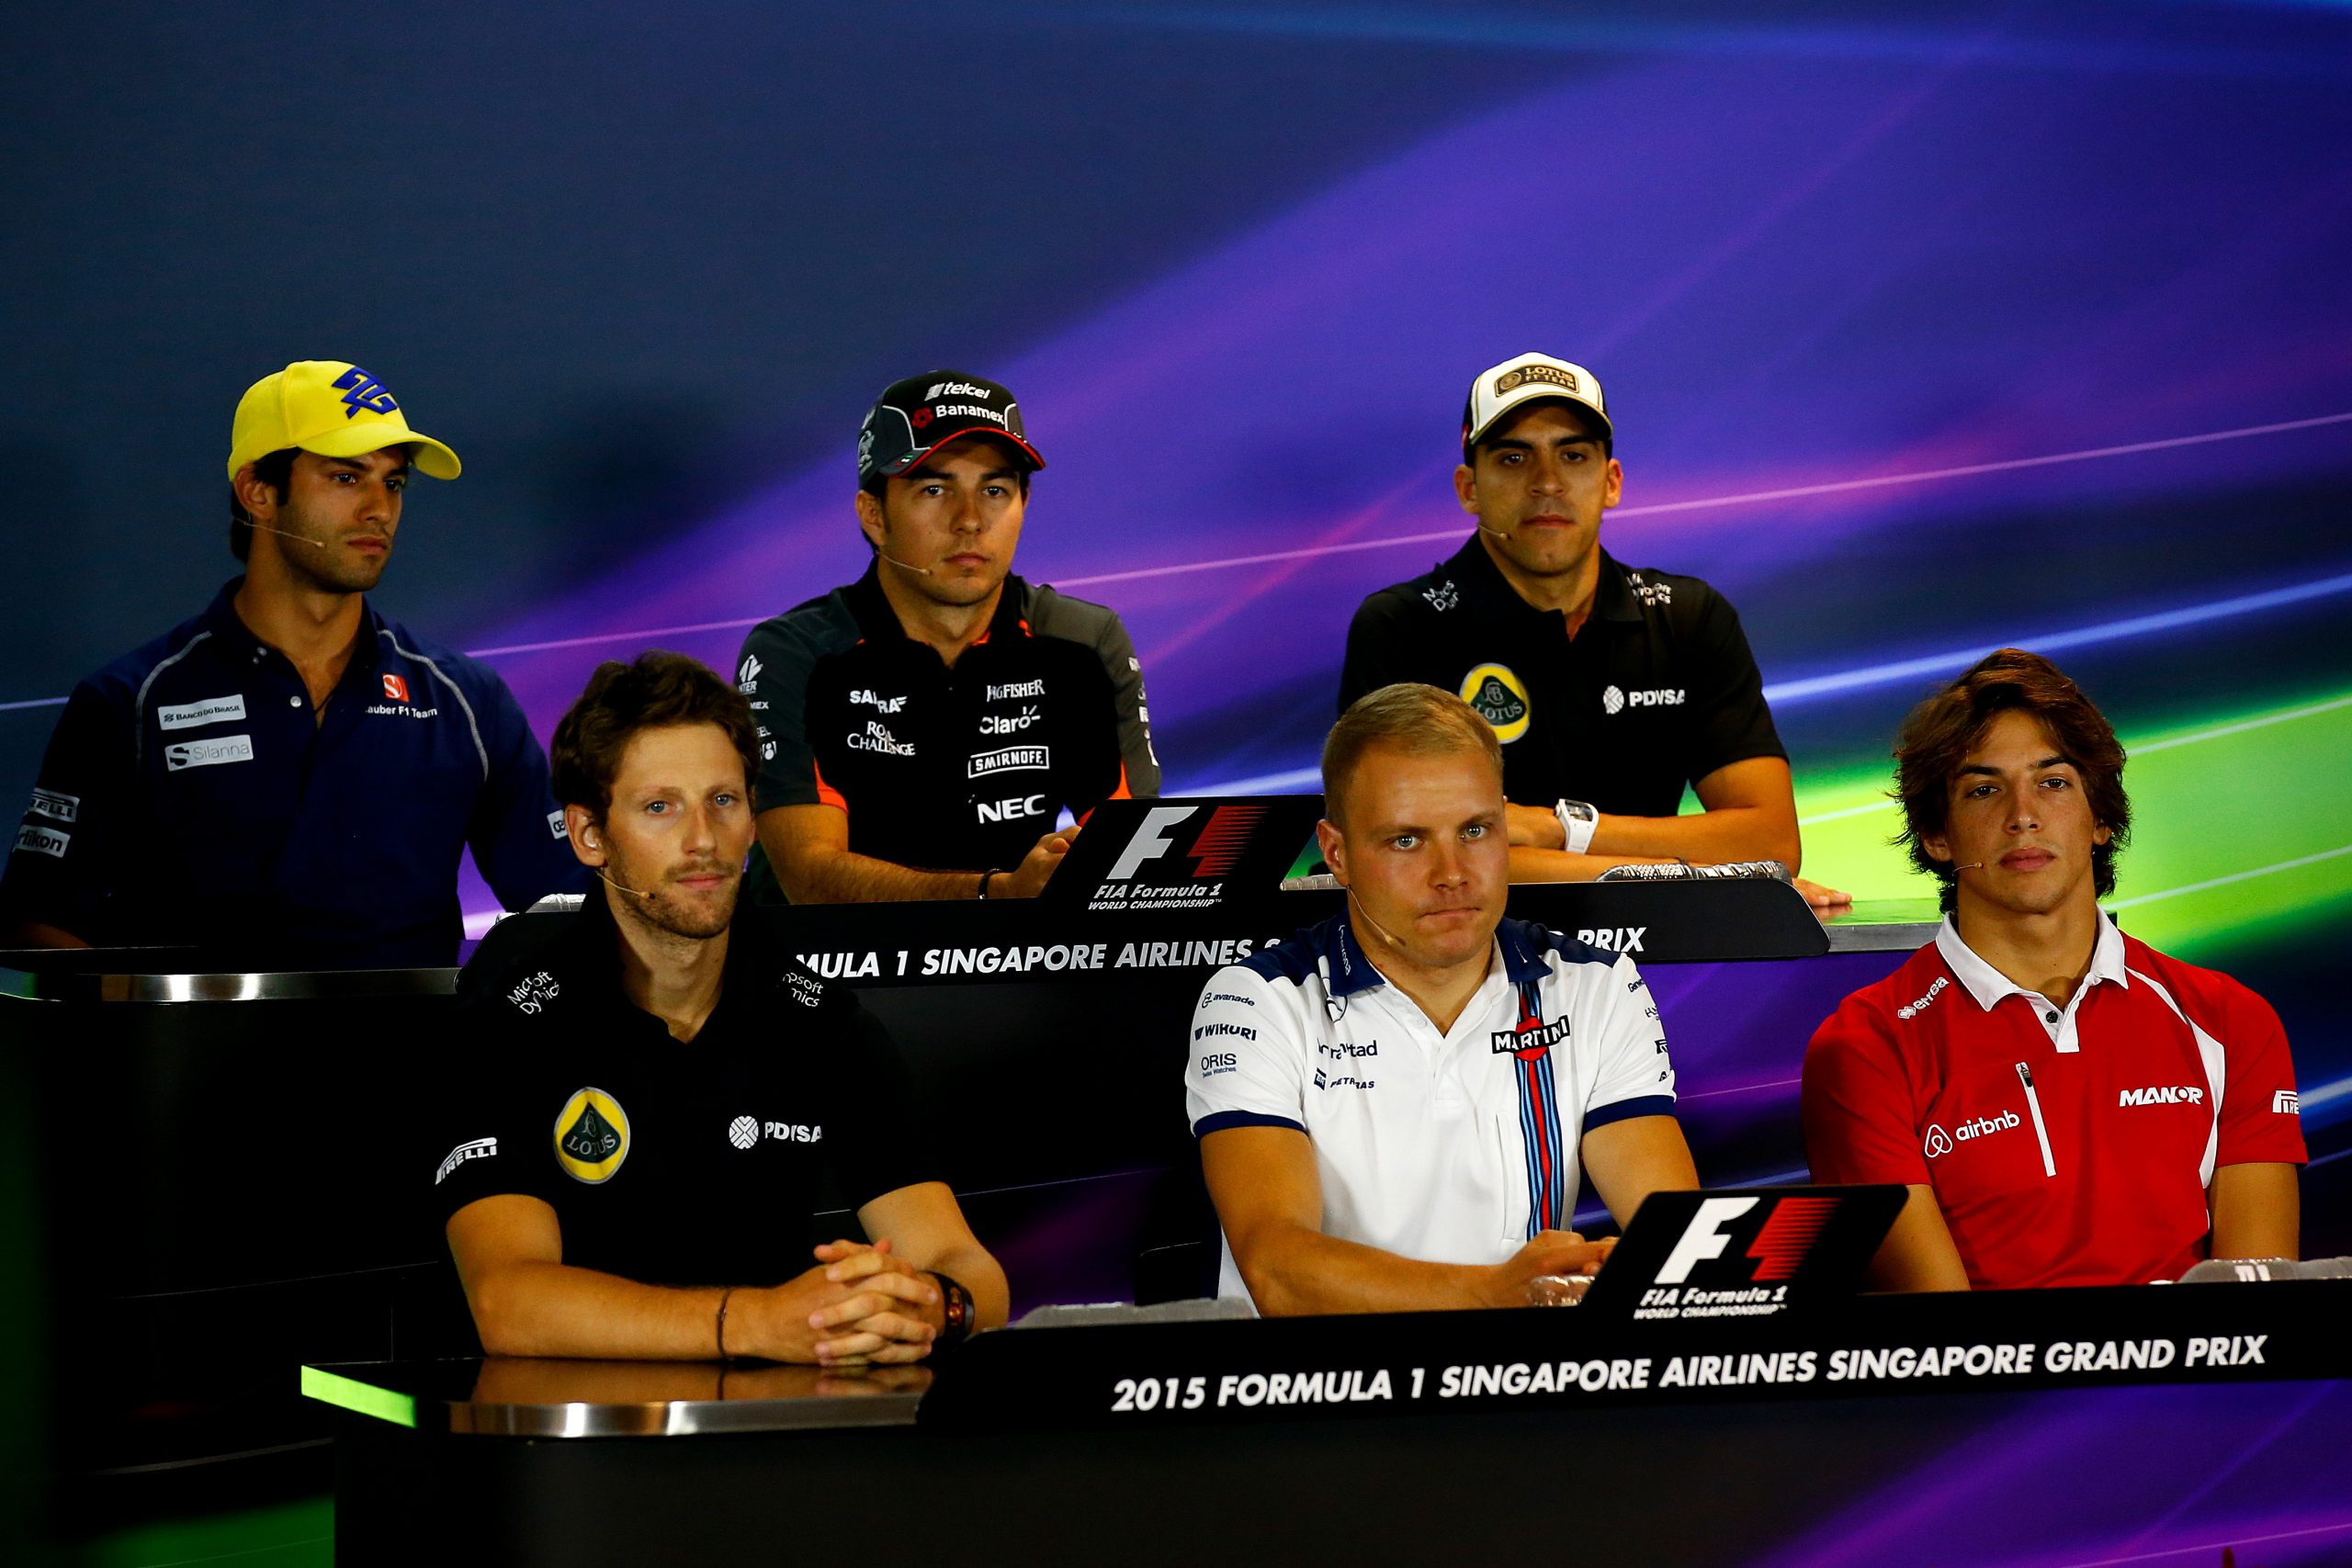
point(859, 1306)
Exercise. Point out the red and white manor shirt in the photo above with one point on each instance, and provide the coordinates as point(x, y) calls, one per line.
point(2066, 1145)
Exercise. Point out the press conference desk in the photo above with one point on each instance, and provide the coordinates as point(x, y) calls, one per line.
point(2056, 1426)
point(229, 1168)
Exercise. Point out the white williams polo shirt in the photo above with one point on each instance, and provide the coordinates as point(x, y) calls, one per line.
point(1451, 1147)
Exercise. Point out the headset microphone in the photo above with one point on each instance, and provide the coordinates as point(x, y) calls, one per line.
point(1971, 865)
point(283, 535)
point(609, 882)
point(1356, 905)
point(903, 565)
point(1497, 533)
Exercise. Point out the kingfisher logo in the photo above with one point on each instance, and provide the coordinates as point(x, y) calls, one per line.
point(362, 391)
point(2165, 1094)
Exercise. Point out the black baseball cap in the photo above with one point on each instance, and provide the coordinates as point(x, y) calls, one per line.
point(915, 417)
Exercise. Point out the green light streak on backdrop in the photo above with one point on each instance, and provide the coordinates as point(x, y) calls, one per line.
point(2215, 798)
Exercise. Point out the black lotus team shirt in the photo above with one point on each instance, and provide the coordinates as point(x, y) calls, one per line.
point(191, 794)
point(1658, 690)
point(947, 770)
point(693, 1163)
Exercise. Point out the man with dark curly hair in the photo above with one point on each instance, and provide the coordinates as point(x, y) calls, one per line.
point(2066, 1105)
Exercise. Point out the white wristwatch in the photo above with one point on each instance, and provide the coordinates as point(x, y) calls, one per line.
point(1578, 822)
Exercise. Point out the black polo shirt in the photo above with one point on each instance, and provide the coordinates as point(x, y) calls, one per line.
point(191, 796)
point(947, 769)
point(676, 1163)
point(1658, 689)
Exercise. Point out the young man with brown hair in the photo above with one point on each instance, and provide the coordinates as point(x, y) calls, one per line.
point(923, 729)
point(2067, 1105)
point(655, 1090)
point(1392, 1106)
point(1611, 688)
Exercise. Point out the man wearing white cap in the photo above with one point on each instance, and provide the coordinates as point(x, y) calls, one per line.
point(1610, 687)
point(288, 778)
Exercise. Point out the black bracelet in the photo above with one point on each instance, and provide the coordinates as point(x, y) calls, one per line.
point(724, 1297)
point(956, 1308)
point(984, 881)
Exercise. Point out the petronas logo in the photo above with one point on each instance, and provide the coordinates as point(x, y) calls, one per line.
point(591, 1136)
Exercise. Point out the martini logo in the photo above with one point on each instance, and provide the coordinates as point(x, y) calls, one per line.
point(1529, 1040)
point(1519, 376)
point(1500, 699)
point(396, 688)
point(591, 1136)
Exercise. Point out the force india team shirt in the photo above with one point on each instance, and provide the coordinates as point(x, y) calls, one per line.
point(1453, 1147)
point(2065, 1145)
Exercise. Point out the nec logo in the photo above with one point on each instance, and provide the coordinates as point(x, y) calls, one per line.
point(2166, 1095)
point(1781, 1244)
point(1011, 810)
point(1612, 939)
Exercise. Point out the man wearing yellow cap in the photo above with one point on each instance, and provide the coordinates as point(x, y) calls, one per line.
point(288, 778)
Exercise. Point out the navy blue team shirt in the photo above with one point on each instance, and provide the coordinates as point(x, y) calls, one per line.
point(189, 797)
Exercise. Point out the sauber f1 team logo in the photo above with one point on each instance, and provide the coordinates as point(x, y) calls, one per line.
point(591, 1136)
point(396, 688)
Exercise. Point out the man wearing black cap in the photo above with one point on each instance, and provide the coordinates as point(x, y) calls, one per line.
point(923, 729)
point(1610, 687)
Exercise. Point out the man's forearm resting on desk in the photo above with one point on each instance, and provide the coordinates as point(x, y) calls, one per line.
point(807, 846)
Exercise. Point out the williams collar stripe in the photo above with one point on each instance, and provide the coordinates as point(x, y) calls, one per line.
point(1522, 947)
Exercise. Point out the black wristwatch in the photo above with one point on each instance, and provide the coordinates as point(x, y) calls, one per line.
point(958, 1303)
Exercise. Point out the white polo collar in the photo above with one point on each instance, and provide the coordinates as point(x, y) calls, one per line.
point(1988, 986)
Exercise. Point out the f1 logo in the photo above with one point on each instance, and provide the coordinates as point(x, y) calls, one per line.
point(396, 688)
point(1703, 1238)
point(1151, 841)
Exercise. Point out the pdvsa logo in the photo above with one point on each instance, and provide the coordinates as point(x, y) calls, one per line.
point(1614, 700)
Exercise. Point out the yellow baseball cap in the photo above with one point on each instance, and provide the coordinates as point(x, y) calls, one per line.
point(329, 406)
